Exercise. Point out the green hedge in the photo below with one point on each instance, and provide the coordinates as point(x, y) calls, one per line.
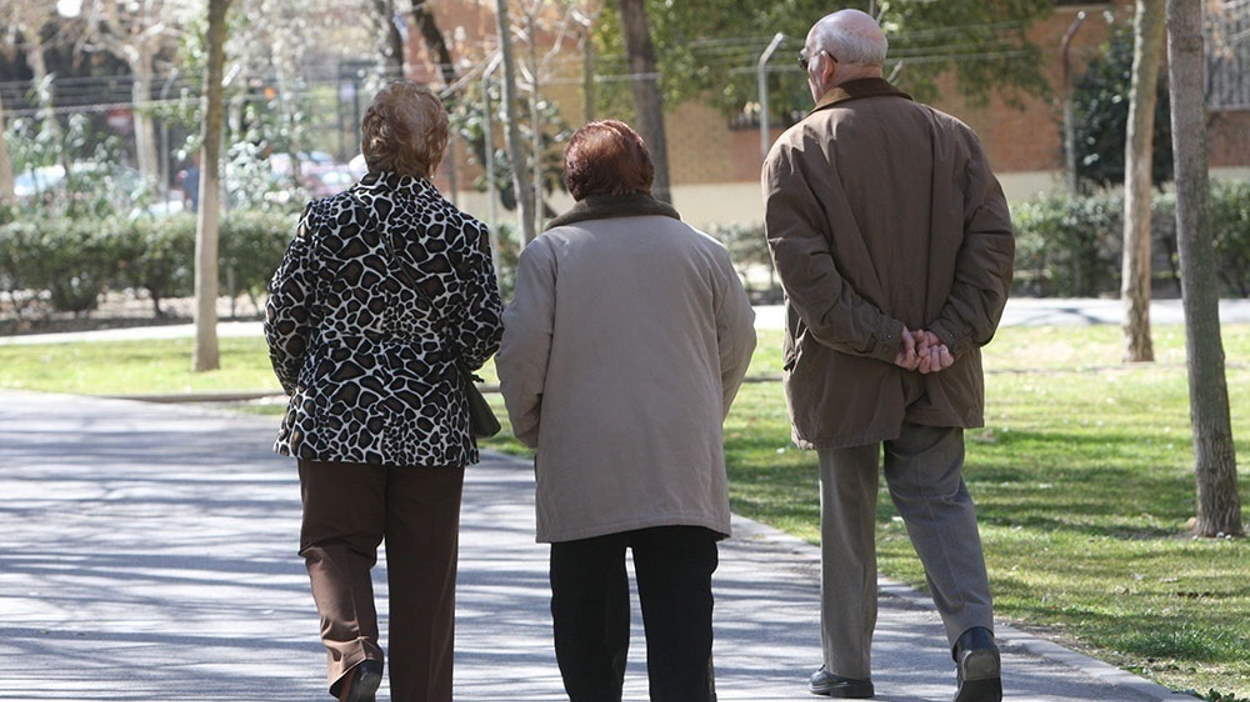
point(1071, 246)
point(75, 261)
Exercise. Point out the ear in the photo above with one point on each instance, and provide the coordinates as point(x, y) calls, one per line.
point(828, 67)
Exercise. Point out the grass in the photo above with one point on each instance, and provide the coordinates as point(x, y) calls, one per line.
point(1082, 476)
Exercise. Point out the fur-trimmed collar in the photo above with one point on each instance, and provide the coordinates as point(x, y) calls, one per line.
point(610, 206)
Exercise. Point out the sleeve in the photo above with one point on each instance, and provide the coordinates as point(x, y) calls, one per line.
point(834, 312)
point(477, 336)
point(735, 331)
point(983, 267)
point(528, 325)
point(289, 319)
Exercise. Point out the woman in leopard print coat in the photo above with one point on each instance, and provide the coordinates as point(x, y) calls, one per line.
point(383, 291)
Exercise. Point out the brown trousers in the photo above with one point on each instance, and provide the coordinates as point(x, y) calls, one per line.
point(349, 509)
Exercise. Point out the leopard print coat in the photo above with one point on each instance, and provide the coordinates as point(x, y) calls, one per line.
point(383, 288)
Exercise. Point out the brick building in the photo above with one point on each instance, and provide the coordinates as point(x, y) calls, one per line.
point(714, 166)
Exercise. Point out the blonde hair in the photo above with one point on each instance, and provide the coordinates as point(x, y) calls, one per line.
point(404, 131)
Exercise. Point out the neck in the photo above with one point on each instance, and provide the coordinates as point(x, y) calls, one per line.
point(853, 72)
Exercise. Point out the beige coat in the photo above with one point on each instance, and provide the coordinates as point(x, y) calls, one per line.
point(882, 212)
point(622, 352)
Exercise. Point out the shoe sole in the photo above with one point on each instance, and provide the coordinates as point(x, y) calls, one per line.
point(980, 677)
point(364, 685)
point(980, 691)
point(854, 691)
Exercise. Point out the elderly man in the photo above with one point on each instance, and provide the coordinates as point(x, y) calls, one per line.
point(893, 242)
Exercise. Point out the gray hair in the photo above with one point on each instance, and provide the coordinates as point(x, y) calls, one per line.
point(846, 35)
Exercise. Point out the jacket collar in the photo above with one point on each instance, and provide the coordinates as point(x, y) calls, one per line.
point(609, 206)
point(856, 89)
point(378, 182)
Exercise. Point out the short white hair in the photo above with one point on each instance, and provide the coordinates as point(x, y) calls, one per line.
point(846, 41)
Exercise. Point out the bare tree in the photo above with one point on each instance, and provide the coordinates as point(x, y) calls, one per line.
point(136, 35)
point(1219, 507)
point(1139, 148)
point(534, 73)
point(648, 101)
point(516, 149)
point(206, 257)
point(26, 21)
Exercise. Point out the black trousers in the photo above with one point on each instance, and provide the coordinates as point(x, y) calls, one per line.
point(590, 609)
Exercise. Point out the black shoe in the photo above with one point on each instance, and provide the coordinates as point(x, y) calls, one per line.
point(826, 683)
point(979, 667)
point(361, 682)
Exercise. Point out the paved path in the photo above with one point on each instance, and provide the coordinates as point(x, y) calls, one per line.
point(148, 553)
point(1020, 312)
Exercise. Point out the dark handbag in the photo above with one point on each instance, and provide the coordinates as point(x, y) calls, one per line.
point(482, 421)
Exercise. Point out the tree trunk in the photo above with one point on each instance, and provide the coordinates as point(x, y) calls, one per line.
point(588, 77)
point(536, 126)
point(435, 44)
point(45, 91)
point(145, 127)
point(7, 197)
point(1219, 507)
point(1135, 288)
point(436, 48)
point(392, 59)
point(516, 148)
point(206, 257)
point(648, 102)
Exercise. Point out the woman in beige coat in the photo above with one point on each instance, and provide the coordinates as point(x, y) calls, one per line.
point(622, 352)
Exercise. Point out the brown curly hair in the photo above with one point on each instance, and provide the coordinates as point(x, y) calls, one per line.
point(404, 131)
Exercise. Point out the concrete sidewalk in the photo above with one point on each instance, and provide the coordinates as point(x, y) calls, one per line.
point(148, 553)
point(1024, 311)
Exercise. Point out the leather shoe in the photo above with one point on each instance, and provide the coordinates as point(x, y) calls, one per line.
point(826, 683)
point(979, 667)
point(361, 682)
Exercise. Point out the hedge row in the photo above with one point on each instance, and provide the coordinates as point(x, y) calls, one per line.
point(1065, 247)
point(75, 261)
point(1072, 247)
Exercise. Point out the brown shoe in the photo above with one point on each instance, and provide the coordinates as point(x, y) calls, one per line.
point(361, 682)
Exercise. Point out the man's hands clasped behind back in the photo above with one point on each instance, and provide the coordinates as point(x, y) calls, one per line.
point(922, 351)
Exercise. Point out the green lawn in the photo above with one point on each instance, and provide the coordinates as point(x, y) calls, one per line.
point(1082, 477)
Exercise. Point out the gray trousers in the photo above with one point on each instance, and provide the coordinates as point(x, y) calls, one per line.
point(924, 472)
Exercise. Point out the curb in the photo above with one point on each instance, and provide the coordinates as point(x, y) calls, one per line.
point(206, 396)
point(1010, 637)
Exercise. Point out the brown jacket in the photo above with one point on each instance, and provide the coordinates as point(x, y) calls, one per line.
point(882, 212)
point(622, 352)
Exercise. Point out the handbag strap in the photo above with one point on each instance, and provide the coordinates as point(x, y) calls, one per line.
point(387, 245)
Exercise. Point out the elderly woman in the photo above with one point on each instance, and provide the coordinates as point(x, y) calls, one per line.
point(386, 293)
point(625, 345)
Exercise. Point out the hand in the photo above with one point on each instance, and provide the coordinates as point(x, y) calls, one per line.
point(933, 355)
point(908, 357)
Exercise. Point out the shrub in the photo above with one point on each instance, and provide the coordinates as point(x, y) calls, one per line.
point(1230, 229)
point(73, 260)
point(252, 245)
point(1072, 246)
point(158, 255)
point(748, 248)
point(1068, 246)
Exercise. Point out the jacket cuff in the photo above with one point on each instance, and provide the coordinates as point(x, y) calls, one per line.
point(958, 344)
point(889, 340)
